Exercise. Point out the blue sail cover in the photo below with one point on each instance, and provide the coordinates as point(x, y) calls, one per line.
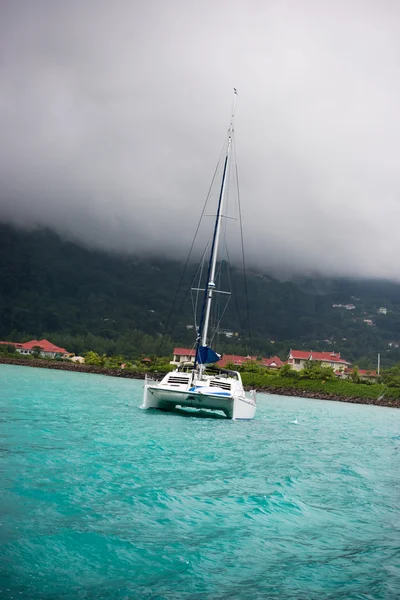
point(206, 355)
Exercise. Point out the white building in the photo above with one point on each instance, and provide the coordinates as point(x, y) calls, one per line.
point(298, 358)
point(182, 355)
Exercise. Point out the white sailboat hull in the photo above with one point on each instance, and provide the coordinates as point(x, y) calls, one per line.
point(234, 406)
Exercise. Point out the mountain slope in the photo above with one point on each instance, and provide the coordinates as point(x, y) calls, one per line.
point(51, 286)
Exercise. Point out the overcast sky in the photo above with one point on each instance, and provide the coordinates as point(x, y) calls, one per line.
point(113, 113)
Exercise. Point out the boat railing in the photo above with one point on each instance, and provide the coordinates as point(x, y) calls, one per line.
point(148, 379)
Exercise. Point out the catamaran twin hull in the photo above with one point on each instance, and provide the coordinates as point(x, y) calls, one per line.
point(234, 406)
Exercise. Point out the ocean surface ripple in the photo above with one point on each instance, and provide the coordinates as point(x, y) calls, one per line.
point(100, 499)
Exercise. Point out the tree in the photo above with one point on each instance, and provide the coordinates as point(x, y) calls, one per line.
point(37, 350)
point(7, 349)
point(114, 362)
point(355, 375)
point(314, 370)
point(230, 366)
point(92, 358)
point(251, 366)
point(391, 377)
point(287, 371)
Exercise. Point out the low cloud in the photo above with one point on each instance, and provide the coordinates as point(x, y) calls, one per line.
point(113, 115)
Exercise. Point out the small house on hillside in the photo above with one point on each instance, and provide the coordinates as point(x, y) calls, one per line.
point(363, 373)
point(185, 355)
point(235, 359)
point(272, 363)
point(298, 358)
point(182, 355)
point(45, 348)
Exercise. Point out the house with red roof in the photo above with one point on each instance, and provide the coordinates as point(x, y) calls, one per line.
point(182, 355)
point(298, 358)
point(272, 363)
point(234, 359)
point(363, 373)
point(44, 347)
point(185, 355)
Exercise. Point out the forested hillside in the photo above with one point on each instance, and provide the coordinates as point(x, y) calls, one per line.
point(83, 300)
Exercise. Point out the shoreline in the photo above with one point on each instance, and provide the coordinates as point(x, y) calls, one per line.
point(126, 374)
point(42, 363)
point(287, 391)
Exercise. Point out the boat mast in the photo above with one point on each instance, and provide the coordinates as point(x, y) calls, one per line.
point(204, 325)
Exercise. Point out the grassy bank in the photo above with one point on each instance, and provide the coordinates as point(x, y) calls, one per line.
point(60, 365)
point(339, 390)
point(335, 389)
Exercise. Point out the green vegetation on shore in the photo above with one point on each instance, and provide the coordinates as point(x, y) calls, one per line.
point(336, 387)
point(313, 380)
point(143, 365)
point(120, 305)
point(316, 379)
point(115, 362)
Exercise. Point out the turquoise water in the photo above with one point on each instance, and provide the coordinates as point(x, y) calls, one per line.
point(99, 499)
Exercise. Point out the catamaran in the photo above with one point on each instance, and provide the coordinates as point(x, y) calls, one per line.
point(203, 385)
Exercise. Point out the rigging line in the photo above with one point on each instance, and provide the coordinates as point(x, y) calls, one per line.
point(205, 314)
point(187, 261)
point(224, 246)
point(195, 304)
point(180, 308)
point(191, 249)
point(179, 312)
point(243, 255)
point(235, 296)
point(193, 308)
point(221, 260)
point(203, 262)
point(207, 298)
point(217, 317)
point(216, 304)
point(220, 319)
point(200, 272)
